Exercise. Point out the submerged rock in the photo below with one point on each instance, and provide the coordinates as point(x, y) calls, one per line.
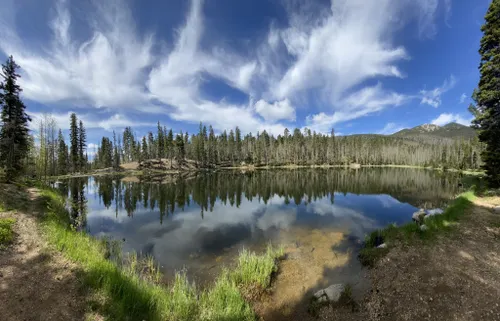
point(419, 216)
point(330, 294)
point(496, 209)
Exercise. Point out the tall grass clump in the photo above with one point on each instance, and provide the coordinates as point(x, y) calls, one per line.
point(410, 232)
point(257, 269)
point(6, 231)
point(225, 302)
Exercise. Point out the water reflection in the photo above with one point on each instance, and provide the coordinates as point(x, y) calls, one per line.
point(204, 221)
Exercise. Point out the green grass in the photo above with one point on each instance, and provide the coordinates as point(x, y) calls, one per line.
point(257, 269)
point(6, 231)
point(411, 232)
point(122, 292)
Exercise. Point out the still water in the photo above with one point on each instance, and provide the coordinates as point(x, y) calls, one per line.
point(201, 223)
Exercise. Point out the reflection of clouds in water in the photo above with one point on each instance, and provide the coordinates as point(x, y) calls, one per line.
point(387, 200)
point(346, 218)
point(277, 218)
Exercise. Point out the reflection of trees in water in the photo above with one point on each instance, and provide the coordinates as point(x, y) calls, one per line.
point(417, 187)
point(74, 190)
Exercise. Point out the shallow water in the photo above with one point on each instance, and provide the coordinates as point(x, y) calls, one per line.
point(319, 215)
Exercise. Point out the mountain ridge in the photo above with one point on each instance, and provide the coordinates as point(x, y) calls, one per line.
point(451, 130)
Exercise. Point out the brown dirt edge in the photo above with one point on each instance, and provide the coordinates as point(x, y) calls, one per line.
point(457, 277)
point(36, 282)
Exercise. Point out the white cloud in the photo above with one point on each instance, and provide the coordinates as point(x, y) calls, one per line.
point(390, 128)
point(463, 98)
point(361, 103)
point(445, 118)
point(447, 13)
point(323, 56)
point(433, 97)
point(275, 111)
point(108, 69)
point(338, 52)
point(89, 121)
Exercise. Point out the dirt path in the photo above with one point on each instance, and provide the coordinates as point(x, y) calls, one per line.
point(455, 278)
point(35, 282)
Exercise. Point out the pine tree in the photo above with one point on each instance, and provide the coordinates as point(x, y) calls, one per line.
point(62, 155)
point(82, 145)
point(238, 144)
point(212, 152)
point(487, 96)
point(160, 145)
point(170, 145)
point(116, 154)
point(145, 153)
point(73, 137)
point(181, 152)
point(14, 135)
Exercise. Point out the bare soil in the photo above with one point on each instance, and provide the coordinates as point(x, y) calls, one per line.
point(36, 283)
point(457, 277)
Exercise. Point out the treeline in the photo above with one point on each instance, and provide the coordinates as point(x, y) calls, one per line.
point(53, 156)
point(298, 148)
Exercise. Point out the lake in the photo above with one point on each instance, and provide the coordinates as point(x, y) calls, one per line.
point(202, 222)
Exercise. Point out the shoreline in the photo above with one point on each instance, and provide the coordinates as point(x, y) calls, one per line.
point(118, 287)
point(128, 292)
point(154, 173)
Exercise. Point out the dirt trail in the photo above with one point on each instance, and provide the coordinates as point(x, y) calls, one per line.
point(455, 278)
point(35, 282)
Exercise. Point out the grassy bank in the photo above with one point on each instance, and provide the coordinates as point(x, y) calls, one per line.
point(120, 293)
point(412, 232)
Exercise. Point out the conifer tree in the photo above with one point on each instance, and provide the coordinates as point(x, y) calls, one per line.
point(487, 95)
point(160, 145)
point(73, 137)
point(14, 134)
point(62, 155)
point(82, 145)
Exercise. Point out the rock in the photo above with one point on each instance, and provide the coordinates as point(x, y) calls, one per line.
point(423, 228)
point(435, 211)
point(496, 209)
point(330, 294)
point(382, 246)
point(419, 216)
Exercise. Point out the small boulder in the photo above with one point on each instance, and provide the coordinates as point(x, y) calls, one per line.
point(435, 211)
point(418, 217)
point(330, 294)
point(382, 246)
point(496, 209)
point(423, 228)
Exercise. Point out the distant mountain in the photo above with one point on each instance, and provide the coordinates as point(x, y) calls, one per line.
point(452, 130)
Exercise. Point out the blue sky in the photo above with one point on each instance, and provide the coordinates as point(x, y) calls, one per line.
point(359, 66)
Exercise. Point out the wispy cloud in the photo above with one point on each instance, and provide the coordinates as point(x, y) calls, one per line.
point(463, 98)
point(433, 97)
point(361, 103)
point(329, 56)
point(90, 121)
point(445, 118)
point(390, 128)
